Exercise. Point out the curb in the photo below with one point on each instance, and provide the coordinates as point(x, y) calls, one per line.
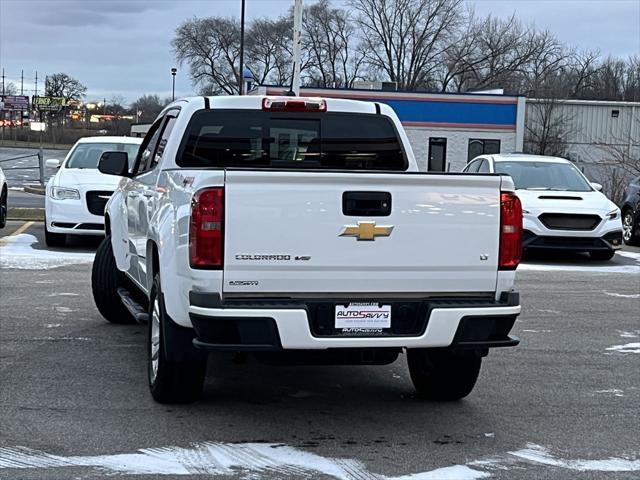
point(25, 214)
point(36, 189)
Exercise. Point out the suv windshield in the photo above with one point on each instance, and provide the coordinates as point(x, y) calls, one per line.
point(86, 155)
point(544, 176)
point(248, 138)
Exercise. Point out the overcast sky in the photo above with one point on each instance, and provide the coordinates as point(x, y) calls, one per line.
point(122, 47)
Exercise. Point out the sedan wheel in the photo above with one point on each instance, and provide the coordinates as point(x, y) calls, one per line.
point(627, 227)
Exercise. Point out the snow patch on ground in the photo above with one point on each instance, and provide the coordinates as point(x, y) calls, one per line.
point(625, 334)
point(538, 454)
point(633, 347)
point(621, 295)
point(254, 460)
point(17, 252)
point(250, 460)
point(616, 391)
point(579, 268)
point(632, 255)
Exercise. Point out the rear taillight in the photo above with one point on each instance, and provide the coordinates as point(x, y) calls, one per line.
point(510, 231)
point(206, 234)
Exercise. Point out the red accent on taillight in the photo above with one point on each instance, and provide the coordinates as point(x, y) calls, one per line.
point(510, 231)
point(294, 104)
point(206, 234)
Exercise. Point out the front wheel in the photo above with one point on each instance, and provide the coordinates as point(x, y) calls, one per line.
point(441, 374)
point(601, 256)
point(176, 370)
point(629, 228)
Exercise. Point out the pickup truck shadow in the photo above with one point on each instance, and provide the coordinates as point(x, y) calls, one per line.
point(318, 406)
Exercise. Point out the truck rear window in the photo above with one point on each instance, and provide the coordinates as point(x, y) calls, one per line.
point(309, 140)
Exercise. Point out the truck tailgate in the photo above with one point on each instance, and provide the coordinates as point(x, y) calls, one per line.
point(290, 233)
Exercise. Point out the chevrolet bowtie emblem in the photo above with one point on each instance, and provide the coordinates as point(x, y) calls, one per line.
point(366, 231)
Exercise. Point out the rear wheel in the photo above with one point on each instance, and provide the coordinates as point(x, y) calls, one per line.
point(3, 208)
point(441, 374)
point(105, 281)
point(176, 370)
point(602, 255)
point(53, 239)
point(629, 229)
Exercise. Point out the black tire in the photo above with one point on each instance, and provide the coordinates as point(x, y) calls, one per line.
point(627, 219)
point(180, 369)
point(602, 255)
point(105, 281)
point(52, 239)
point(440, 374)
point(3, 208)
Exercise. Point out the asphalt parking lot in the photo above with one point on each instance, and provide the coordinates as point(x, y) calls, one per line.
point(74, 403)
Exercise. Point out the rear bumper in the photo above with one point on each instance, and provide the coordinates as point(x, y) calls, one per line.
point(292, 326)
point(610, 241)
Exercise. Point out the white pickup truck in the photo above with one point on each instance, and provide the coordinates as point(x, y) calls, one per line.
point(299, 230)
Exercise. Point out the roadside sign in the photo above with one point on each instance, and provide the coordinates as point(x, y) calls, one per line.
point(15, 102)
point(49, 103)
point(38, 126)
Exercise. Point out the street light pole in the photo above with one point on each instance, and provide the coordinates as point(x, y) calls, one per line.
point(241, 70)
point(173, 86)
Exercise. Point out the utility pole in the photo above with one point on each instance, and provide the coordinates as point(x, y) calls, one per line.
point(3, 81)
point(35, 93)
point(241, 70)
point(104, 106)
point(21, 82)
point(297, 53)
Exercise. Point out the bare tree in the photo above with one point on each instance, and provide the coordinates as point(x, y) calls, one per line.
point(9, 88)
point(211, 48)
point(268, 57)
point(547, 128)
point(148, 107)
point(330, 38)
point(406, 39)
point(62, 85)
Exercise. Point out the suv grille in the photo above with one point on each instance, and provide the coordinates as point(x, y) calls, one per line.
point(96, 200)
point(569, 221)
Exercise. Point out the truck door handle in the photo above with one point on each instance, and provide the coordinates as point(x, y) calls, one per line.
point(366, 204)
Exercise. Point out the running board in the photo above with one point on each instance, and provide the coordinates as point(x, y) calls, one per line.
point(135, 309)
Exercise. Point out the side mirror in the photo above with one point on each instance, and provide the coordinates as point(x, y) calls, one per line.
point(114, 163)
point(53, 163)
point(597, 186)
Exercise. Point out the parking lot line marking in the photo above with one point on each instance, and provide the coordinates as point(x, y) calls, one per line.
point(18, 231)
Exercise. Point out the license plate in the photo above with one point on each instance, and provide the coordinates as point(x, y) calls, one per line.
point(363, 315)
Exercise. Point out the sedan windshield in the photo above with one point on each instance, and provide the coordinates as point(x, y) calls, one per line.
point(87, 155)
point(544, 176)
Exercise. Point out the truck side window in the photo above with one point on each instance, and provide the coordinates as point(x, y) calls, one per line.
point(147, 148)
point(166, 131)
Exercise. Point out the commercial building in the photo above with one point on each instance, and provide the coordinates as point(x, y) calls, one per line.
point(445, 129)
point(593, 134)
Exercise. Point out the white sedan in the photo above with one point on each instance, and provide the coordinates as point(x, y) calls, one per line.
point(561, 209)
point(77, 193)
point(3, 199)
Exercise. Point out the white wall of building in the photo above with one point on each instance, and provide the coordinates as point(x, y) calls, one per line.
point(457, 144)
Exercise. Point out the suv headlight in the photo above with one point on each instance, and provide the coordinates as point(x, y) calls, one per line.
point(613, 214)
point(61, 193)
